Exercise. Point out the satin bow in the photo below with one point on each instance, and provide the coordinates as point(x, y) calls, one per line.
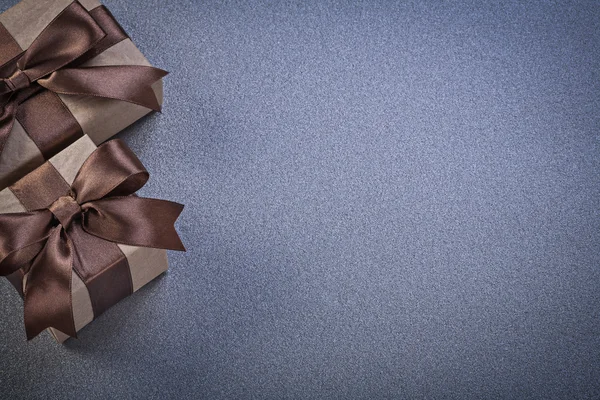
point(50, 63)
point(100, 203)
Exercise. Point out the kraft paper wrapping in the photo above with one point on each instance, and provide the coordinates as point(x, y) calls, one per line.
point(145, 263)
point(99, 118)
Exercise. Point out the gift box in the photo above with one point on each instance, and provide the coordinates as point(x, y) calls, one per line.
point(75, 239)
point(67, 69)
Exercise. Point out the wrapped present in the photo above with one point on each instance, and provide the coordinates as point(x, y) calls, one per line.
point(67, 69)
point(75, 239)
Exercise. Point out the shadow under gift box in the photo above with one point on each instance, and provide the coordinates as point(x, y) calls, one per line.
point(145, 264)
point(98, 118)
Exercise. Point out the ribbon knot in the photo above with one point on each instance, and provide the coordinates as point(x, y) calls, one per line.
point(65, 209)
point(102, 192)
point(17, 81)
point(52, 62)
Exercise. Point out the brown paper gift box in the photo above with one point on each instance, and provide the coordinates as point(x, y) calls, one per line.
point(99, 118)
point(145, 264)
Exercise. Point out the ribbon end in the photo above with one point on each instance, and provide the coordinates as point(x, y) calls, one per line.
point(179, 246)
point(152, 102)
point(161, 73)
point(33, 333)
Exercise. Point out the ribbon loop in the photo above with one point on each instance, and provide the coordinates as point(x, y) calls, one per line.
point(72, 33)
point(101, 204)
point(48, 63)
point(112, 169)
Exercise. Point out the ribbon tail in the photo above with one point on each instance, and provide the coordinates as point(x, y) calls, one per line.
point(48, 288)
point(130, 83)
point(134, 221)
point(8, 113)
point(23, 237)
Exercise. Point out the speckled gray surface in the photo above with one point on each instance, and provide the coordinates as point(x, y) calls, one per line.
point(384, 200)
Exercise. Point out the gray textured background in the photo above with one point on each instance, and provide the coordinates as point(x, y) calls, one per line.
point(384, 200)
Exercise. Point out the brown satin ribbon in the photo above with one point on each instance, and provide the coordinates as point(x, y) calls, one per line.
point(110, 26)
point(52, 62)
point(45, 118)
point(100, 264)
point(77, 228)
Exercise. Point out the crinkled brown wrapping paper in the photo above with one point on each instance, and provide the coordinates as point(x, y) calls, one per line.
point(99, 118)
point(145, 263)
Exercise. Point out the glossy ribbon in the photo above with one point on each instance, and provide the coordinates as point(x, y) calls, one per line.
point(51, 62)
point(100, 204)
